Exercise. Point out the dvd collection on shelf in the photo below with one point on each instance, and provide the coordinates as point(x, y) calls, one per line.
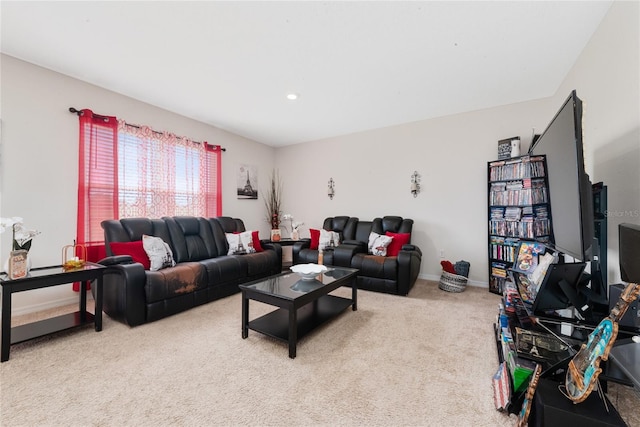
point(518, 168)
point(524, 192)
point(518, 200)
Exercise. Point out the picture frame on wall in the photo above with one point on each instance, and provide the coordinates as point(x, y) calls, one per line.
point(247, 182)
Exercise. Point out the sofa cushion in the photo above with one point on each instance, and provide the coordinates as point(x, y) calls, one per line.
point(260, 262)
point(240, 243)
point(399, 239)
point(376, 266)
point(192, 239)
point(228, 268)
point(378, 244)
point(256, 241)
point(159, 252)
point(181, 279)
point(326, 237)
point(257, 245)
point(315, 238)
point(134, 249)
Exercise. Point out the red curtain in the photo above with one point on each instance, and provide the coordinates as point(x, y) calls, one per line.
point(133, 171)
point(97, 181)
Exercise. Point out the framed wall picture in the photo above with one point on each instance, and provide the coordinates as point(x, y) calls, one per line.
point(247, 182)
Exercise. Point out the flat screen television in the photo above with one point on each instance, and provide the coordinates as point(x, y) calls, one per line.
point(629, 256)
point(570, 191)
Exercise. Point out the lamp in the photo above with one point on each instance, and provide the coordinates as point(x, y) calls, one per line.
point(415, 184)
point(330, 188)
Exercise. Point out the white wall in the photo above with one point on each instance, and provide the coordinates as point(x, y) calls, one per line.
point(39, 155)
point(372, 169)
point(372, 173)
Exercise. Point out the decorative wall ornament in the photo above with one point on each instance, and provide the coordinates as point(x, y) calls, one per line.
point(247, 180)
point(331, 191)
point(415, 184)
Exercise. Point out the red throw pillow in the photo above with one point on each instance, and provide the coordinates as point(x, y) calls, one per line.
point(256, 241)
point(315, 238)
point(399, 239)
point(135, 249)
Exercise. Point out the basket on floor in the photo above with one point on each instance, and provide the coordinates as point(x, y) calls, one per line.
point(452, 282)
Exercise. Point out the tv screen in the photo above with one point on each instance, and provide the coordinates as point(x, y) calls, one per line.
point(570, 192)
point(629, 245)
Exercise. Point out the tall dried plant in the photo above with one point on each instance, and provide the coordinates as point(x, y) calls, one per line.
point(273, 201)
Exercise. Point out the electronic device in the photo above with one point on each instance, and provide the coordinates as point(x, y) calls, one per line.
point(631, 317)
point(570, 191)
point(629, 256)
point(559, 288)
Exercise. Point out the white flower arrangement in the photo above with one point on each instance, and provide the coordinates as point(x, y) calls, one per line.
point(295, 225)
point(22, 237)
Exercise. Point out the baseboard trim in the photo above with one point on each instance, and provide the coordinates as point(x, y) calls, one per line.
point(474, 283)
point(32, 308)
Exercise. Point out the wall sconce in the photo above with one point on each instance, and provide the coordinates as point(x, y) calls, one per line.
point(330, 188)
point(415, 184)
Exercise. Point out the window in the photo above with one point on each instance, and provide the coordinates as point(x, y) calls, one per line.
point(160, 174)
point(133, 171)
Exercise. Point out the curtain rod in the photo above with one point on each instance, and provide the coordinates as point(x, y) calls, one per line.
point(79, 113)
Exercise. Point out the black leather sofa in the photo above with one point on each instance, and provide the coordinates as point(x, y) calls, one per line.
point(389, 274)
point(203, 271)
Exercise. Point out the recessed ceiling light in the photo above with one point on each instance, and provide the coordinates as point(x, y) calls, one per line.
point(292, 96)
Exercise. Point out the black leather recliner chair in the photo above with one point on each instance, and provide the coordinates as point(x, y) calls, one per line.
point(345, 226)
point(389, 274)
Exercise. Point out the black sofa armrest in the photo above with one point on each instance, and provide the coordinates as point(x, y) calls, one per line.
point(270, 246)
point(410, 247)
point(123, 295)
point(297, 247)
point(409, 261)
point(115, 260)
point(343, 253)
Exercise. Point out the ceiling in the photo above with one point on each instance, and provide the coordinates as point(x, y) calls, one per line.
point(356, 65)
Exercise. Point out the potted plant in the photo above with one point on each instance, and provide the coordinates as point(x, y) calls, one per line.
point(273, 203)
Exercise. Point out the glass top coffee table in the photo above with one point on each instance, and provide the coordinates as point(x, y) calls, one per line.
point(303, 304)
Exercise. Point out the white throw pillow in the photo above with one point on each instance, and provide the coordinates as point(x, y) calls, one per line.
point(378, 244)
point(158, 251)
point(325, 239)
point(240, 243)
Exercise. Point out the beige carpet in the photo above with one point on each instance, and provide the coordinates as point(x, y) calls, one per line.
point(422, 360)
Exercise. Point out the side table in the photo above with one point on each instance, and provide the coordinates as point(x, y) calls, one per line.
point(44, 277)
point(286, 263)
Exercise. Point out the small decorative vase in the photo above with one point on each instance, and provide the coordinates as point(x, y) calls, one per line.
point(515, 148)
point(295, 235)
point(5, 266)
point(275, 235)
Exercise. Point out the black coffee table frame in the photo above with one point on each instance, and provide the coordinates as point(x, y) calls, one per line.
point(298, 313)
point(42, 278)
